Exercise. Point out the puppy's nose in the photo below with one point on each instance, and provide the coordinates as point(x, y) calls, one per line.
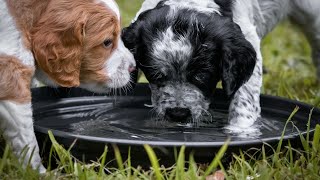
point(178, 114)
point(131, 68)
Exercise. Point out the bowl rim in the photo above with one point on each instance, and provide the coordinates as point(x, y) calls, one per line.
point(249, 142)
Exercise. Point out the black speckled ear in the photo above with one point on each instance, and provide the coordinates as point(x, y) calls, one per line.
point(129, 37)
point(239, 59)
point(225, 7)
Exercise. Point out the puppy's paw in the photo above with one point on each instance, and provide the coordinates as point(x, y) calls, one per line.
point(242, 121)
point(42, 169)
point(241, 132)
point(243, 113)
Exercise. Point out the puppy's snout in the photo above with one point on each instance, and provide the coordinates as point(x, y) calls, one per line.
point(131, 68)
point(178, 114)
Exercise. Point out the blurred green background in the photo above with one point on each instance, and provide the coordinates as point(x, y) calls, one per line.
point(286, 58)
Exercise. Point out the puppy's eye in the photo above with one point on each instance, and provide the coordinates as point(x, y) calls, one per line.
point(107, 42)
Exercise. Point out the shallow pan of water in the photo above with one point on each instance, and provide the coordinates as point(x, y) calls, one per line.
point(97, 120)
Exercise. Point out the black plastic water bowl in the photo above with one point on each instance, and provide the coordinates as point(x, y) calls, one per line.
point(99, 120)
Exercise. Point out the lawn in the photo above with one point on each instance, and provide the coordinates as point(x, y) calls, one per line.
point(289, 73)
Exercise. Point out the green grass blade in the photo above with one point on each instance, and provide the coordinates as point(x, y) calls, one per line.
point(296, 109)
point(103, 160)
point(154, 161)
point(71, 146)
point(129, 163)
point(276, 155)
point(264, 157)
point(291, 160)
point(181, 164)
point(192, 167)
point(316, 140)
point(307, 143)
point(50, 158)
point(175, 153)
point(64, 156)
point(304, 141)
point(214, 164)
point(118, 157)
point(308, 125)
point(4, 157)
point(172, 174)
point(224, 171)
point(31, 155)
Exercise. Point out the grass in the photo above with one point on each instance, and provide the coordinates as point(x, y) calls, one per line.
point(285, 163)
point(290, 73)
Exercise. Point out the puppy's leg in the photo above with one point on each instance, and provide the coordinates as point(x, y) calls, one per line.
point(316, 60)
point(316, 57)
point(17, 127)
point(245, 106)
point(306, 14)
point(16, 122)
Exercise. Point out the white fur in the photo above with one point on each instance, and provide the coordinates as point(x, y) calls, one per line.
point(203, 6)
point(167, 44)
point(116, 68)
point(112, 5)
point(256, 19)
point(16, 121)
point(11, 42)
point(17, 126)
point(252, 87)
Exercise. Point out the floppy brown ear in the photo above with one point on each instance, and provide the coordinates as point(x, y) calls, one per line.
point(57, 47)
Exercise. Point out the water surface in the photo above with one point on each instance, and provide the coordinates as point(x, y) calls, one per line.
point(129, 118)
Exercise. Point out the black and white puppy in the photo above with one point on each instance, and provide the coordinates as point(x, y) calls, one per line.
point(185, 47)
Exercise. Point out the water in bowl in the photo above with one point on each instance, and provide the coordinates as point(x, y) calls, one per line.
point(129, 118)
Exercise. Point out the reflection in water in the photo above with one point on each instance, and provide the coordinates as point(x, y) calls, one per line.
point(130, 119)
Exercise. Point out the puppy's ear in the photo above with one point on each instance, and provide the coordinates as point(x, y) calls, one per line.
point(225, 7)
point(57, 46)
point(239, 59)
point(129, 37)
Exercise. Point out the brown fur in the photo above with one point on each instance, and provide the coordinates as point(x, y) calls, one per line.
point(26, 13)
point(15, 80)
point(95, 55)
point(74, 33)
point(67, 37)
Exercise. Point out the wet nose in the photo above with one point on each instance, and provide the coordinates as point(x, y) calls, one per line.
point(178, 114)
point(131, 68)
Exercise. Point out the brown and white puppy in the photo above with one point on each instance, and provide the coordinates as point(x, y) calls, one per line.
point(62, 43)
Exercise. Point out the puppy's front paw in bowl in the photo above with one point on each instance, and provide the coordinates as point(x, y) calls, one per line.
point(244, 110)
point(244, 128)
point(242, 121)
point(242, 117)
point(251, 132)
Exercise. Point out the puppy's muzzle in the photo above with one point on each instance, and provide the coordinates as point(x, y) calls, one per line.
point(131, 68)
point(178, 114)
